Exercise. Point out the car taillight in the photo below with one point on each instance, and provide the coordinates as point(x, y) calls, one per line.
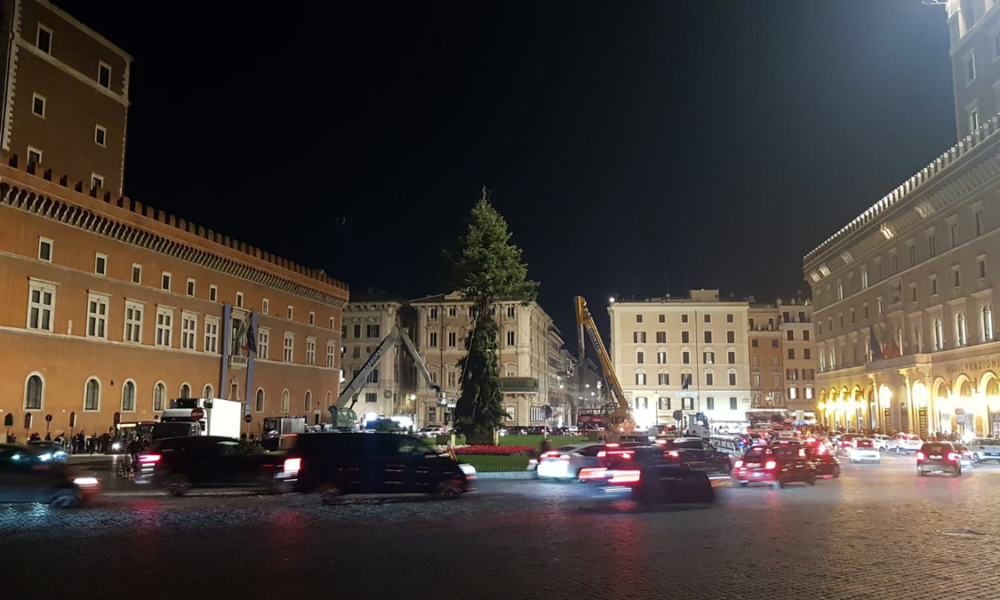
point(292, 465)
point(550, 455)
point(149, 458)
point(672, 454)
point(625, 476)
point(592, 473)
point(660, 442)
point(564, 456)
point(739, 464)
point(770, 465)
point(920, 456)
point(966, 454)
point(613, 445)
point(953, 456)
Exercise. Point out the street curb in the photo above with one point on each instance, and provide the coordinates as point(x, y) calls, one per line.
point(507, 475)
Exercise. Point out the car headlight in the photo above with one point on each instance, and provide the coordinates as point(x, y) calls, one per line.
point(86, 481)
point(468, 469)
point(45, 457)
point(116, 446)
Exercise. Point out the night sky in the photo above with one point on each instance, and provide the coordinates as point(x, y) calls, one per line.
point(630, 145)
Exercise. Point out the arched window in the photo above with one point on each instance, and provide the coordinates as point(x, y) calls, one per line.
point(329, 399)
point(260, 400)
point(207, 392)
point(284, 401)
point(33, 393)
point(92, 395)
point(309, 400)
point(159, 395)
point(185, 390)
point(128, 397)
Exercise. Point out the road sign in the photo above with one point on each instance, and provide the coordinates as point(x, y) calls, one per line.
point(678, 415)
point(247, 418)
point(197, 414)
point(48, 418)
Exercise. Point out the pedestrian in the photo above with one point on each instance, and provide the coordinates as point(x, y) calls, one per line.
point(92, 443)
point(34, 437)
point(48, 436)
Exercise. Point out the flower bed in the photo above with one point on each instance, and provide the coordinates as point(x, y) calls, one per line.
point(494, 450)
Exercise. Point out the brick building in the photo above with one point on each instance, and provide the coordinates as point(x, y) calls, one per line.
point(65, 95)
point(109, 307)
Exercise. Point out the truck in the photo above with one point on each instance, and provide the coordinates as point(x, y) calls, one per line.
point(619, 419)
point(200, 416)
point(277, 429)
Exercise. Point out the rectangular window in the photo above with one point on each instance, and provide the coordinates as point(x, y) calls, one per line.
point(38, 105)
point(104, 75)
point(708, 318)
point(96, 181)
point(685, 337)
point(790, 335)
point(755, 342)
point(793, 393)
point(331, 353)
point(977, 219)
point(805, 333)
point(45, 249)
point(638, 337)
point(708, 337)
point(164, 326)
point(510, 338)
point(189, 330)
point(973, 119)
point(732, 379)
point(729, 318)
point(956, 276)
point(662, 318)
point(912, 251)
point(894, 261)
point(357, 331)
point(806, 354)
point(878, 270)
point(165, 281)
point(452, 311)
point(953, 234)
point(41, 305)
point(452, 339)
point(264, 306)
point(733, 404)
point(190, 287)
point(371, 397)
point(970, 67)
point(661, 337)
point(97, 316)
point(731, 337)
point(511, 311)
point(879, 301)
point(100, 135)
point(840, 290)
point(931, 245)
point(333, 326)
point(136, 273)
point(290, 313)
point(684, 318)
point(263, 343)
point(686, 357)
point(791, 354)
point(374, 330)
point(776, 380)
point(710, 403)
point(312, 318)
point(756, 379)
point(774, 343)
point(289, 346)
point(934, 285)
point(731, 356)
point(664, 379)
point(43, 39)
point(864, 277)
point(310, 351)
point(982, 266)
point(638, 318)
point(685, 380)
point(640, 357)
point(709, 379)
point(432, 339)
point(708, 358)
point(213, 293)
point(239, 299)
point(661, 358)
point(853, 318)
point(101, 264)
point(640, 379)
point(356, 352)
point(433, 314)
point(687, 403)
point(133, 322)
point(452, 379)
point(212, 336)
point(34, 156)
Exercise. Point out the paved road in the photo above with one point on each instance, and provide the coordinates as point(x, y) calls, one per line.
point(877, 532)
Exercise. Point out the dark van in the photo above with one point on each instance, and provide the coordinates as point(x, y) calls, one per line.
point(335, 464)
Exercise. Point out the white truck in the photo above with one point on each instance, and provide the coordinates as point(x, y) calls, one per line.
point(200, 416)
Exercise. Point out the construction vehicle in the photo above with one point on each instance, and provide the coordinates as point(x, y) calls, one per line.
point(278, 429)
point(200, 416)
point(619, 418)
point(344, 417)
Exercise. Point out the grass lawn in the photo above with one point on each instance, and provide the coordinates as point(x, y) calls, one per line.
point(492, 464)
point(535, 441)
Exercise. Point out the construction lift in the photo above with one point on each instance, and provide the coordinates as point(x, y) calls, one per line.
point(344, 417)
point(619, 414)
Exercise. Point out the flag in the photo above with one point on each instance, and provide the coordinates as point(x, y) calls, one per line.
point(250, 344)
point(685, 381)
point(240, 333)
point(876, 348)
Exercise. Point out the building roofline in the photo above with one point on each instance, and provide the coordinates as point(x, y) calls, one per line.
point(87, 29)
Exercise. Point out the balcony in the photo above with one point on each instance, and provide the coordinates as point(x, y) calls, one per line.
point(237, 362)
point(518, 384)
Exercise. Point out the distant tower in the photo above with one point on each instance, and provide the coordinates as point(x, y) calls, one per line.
point(974, 28)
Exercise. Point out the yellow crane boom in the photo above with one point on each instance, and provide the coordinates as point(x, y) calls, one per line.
point(620, 419)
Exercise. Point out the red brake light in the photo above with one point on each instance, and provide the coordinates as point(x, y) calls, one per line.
point(920, 456)
point(661, 442)
point(149, 458)
point(293, 465)
point(602, 454)
point(770, 465)
point(613, 445)
point(564, 456)
point(672, 454)
point(550, 455)
point(739, 464)
point(953, 456)
point(592, 473)
point(625, 476)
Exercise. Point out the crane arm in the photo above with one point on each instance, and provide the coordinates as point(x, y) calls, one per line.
point(412, 351)
point(622, 416)
point(354, 387)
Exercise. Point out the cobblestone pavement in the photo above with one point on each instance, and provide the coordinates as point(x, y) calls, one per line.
point(877, 532)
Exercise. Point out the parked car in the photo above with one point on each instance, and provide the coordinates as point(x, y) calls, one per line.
point(26, 477)
point(881, 442)
point(179, 464)
point(965, 455)
point(776, 464)
point(653, 475)
point(50, 451)
point(863, 450)
point(939, 457)
point(432, 431)
point(905, 442)
point(985, 449)
point(335, 464)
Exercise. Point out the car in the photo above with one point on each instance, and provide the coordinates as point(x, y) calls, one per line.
point(699, 455)
point(50, 451)
point(336, 464)
point(653, 475)
point(846, 441)
point(984, 449)
point(776, 465)
point(965, 455)
point(827, 465)
point(575, 461)
point(432, 431)
point(26, 477)
point(863, 450)
point(205, 461)
point(939, 457)
point(881, 442)
point(905, 442)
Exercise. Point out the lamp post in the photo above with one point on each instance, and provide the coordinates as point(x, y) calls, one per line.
point(821, 408)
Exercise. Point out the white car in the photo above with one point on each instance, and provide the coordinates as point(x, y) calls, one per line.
point(985, 449)
point(881, 442)
point(431, 431)
point(864, 450)
point(905, 442)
